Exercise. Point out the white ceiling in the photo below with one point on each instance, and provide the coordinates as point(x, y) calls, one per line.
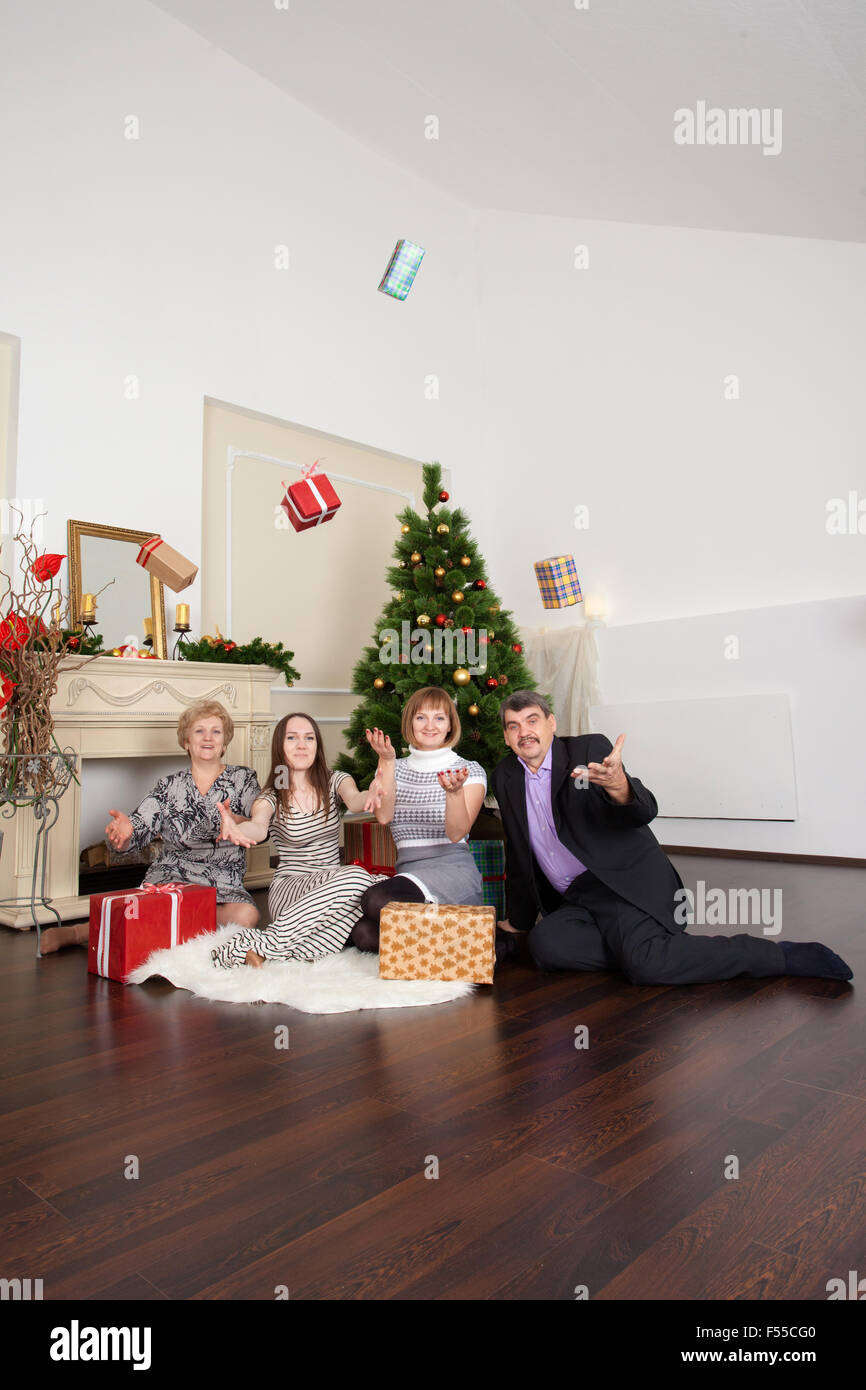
point(544, 108)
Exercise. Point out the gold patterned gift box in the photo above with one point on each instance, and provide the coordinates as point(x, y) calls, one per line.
point(434, 941)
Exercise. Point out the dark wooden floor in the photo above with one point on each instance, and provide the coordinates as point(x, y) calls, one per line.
point(557, 1167)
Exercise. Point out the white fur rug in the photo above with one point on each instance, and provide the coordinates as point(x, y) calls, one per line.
point(338, 984)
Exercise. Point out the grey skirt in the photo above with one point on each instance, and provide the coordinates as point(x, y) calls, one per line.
point(448, 873)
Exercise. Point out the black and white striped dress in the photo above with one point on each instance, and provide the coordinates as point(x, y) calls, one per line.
point(314, 900)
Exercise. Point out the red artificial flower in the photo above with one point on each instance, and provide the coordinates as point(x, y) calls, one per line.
point(229, 646)
point(45, 567)
point(37, 625)
point(6, 688)
point(14, 632)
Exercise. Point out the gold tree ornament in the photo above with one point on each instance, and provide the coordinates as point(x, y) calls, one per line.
point(461, 676)
point(439, 572)
point(415, 557)
point(405, 530)
point(423, 620)
point(473, 710)
point(443, 529)
point(378, 683)
point(458, 596)
point(465, 561)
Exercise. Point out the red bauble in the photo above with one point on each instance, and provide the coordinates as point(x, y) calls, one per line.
point(491, 683)
point(466, 629)
point(72, 643)
point(479, 584)
point(439, 620)
point(516, 647)
point(443, 496)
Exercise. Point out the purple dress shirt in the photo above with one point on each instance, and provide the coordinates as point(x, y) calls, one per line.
point(557, 863)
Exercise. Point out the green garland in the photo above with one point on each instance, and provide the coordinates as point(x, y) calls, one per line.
point(255, 653)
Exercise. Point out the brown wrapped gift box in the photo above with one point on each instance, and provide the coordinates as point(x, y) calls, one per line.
point(166, 564)
point(435, 941)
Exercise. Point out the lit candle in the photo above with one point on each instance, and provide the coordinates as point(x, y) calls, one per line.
point(181, 615)
point(148, 627)
point(88, 607)
point(55, 614)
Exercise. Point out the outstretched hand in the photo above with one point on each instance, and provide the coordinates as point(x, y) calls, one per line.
point(229, 827)
point(119, 831)
point(380, 744)
point(452, 780)
point(374, 794)
point(608, 774)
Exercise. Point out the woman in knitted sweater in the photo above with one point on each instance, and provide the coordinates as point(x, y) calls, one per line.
point(430, 799)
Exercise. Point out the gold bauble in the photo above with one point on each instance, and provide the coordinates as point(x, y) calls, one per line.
point(378, 683)
point(405, 530)
point(461, 676)
point(458, 596)
point(415, 557)
point(423, 620)
point(403, 565)
point(439, 572)
point(473, 710)
point(442, 529)
point(465, 560)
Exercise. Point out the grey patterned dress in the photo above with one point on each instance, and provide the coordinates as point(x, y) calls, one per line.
point(189, 824)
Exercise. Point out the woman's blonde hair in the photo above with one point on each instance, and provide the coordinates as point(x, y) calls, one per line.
point(204, 709)
point(440, 699)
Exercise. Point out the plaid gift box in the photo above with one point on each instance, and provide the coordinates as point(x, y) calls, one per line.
point(126, 927)
point(558, 581)
point(166, 564)
point(435, 941)
point(371, 844)
point(311, 501)
point(402, 269)
point(489, 855)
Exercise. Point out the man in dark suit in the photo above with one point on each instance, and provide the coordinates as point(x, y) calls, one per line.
point(580, 852)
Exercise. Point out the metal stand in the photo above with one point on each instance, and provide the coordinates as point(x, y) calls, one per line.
point(183, 638)
point(49, 776)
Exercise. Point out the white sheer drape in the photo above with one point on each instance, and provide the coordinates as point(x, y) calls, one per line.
point(564, 662)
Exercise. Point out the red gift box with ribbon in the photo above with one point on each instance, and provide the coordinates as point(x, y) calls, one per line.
point(371, 845)
point(126, 927)
point(311, 500)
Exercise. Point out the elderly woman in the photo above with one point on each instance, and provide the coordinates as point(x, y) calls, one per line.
point(184, 809)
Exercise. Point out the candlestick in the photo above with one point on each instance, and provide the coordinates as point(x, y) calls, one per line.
point(88, 608)
point(181, 617)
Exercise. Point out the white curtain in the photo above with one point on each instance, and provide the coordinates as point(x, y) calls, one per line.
point(564, 662)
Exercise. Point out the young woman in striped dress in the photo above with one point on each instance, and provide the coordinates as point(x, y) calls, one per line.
point(314, 900)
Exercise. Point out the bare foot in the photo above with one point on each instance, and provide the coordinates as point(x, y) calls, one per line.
point(55, 937)
point(252, 959)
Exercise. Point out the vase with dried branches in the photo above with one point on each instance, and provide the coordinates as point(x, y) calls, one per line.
point(33, 642)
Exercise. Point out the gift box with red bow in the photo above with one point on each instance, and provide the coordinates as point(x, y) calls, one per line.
point(126, 927)
point(311, 500)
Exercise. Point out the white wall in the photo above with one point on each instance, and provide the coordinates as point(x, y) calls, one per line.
point(155, 257)
point(816, 652)
point(605, 387)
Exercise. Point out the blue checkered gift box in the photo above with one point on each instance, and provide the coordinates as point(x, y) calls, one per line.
point(402, 269)
point(489, 855)
point(558, 581)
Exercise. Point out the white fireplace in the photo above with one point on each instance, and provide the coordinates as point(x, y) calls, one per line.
point(111, 707)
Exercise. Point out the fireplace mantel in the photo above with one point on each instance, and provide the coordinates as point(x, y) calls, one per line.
point(116, 707)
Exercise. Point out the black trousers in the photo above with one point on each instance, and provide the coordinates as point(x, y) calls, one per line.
point(593, 928)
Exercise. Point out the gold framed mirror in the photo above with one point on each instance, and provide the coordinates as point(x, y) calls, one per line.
point(98, 554)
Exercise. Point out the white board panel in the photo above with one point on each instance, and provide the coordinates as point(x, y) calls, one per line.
point(715, 759)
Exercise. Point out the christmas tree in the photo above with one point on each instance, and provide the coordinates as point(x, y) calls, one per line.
point(443, 626)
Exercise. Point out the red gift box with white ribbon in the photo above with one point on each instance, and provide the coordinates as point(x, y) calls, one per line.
point(310, 501)
point(126, 927)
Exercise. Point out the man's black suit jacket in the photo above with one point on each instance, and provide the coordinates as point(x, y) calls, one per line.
point(613, 841)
